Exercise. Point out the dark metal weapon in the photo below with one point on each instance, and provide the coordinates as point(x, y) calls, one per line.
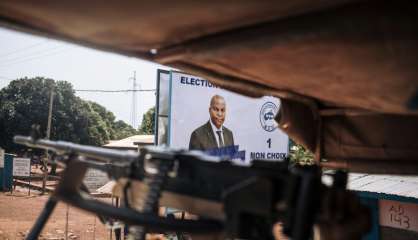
point(254, 197)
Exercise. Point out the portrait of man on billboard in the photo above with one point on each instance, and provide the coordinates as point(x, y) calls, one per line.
point(213, 134)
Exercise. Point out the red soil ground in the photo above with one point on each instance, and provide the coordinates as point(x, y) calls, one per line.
point(18, 212)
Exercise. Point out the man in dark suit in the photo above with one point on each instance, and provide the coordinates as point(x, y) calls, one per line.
point(213, 134)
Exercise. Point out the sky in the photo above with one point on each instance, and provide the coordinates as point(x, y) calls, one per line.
point(25, 55)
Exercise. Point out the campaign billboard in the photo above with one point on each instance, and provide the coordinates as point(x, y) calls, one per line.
point(205, 117)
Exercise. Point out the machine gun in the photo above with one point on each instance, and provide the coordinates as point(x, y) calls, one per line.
point(230, 201)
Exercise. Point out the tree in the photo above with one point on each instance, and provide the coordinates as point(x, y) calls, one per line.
point(123, 130)
point(25, 102)
point(148, 122)
point(107, 118)
point(300, 155)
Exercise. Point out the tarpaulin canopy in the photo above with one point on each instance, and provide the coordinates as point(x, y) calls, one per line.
point(346, 70)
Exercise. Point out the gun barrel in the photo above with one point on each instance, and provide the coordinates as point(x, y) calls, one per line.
point(98, 153)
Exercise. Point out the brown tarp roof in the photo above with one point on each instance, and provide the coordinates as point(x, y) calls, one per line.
point(347, 70)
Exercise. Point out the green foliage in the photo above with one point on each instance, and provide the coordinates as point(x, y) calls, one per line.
point(25, 102)
point(123, 130)
point(15, 115)
point(148, 122)
point(300, 155)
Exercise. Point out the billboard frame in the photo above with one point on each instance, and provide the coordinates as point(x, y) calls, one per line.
point(157, 104)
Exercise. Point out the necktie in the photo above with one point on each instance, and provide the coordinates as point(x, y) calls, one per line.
point(221, 142)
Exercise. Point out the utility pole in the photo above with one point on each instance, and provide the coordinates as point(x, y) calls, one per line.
point(44, 167)
point(51, 102)
point(133, 110)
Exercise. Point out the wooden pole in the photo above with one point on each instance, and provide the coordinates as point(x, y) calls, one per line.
point(30, 168)
point(66, 222)
point(94, 228)
point(48, 135)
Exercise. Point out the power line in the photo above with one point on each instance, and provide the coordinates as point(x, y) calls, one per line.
point(33, 58)
point(30, 55)
point(115, 91)
point(24, 48)
point(22, 59)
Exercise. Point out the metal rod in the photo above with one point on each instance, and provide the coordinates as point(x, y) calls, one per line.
point(132, 217)
point(42, 219)
point(104, 154)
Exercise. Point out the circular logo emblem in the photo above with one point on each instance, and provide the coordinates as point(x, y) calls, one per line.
point(267, 113)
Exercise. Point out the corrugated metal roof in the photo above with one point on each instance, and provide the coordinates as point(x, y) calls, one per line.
point(129, 142)
point(405, 186)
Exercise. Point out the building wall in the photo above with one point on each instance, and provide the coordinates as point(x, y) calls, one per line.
point(393, 217)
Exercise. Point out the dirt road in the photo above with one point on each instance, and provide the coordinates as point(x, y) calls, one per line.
point(18, 212)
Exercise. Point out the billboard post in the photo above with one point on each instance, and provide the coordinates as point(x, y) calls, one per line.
point(2, 152)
